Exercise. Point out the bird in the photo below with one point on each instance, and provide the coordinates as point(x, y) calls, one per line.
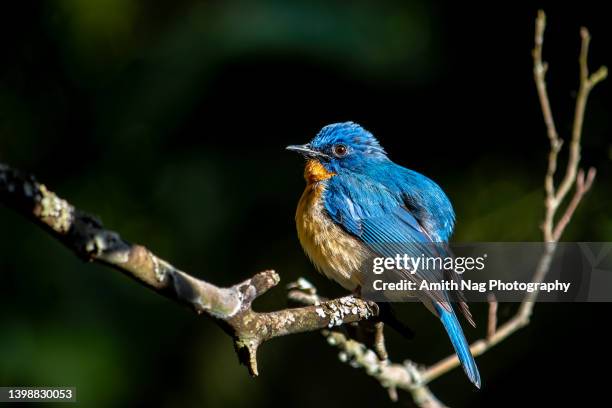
point(358, 204)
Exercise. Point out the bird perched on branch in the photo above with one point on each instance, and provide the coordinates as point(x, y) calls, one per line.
point(358, 204)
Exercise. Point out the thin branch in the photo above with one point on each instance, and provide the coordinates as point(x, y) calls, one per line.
point(229, 307)
point(587, 82)
point(539, 73)
point(582, 187)
point(554, 197)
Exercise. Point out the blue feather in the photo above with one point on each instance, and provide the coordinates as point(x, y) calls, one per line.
point(379, 217)
point(462, 348)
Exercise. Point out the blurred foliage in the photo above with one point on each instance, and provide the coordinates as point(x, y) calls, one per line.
point(169, 120)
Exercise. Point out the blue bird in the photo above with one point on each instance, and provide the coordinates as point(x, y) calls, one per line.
point(358, 204)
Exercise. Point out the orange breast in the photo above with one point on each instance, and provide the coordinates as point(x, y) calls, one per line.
point(315, 172)
point(334, 252)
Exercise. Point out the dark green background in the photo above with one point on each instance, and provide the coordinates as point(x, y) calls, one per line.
point(169, 121)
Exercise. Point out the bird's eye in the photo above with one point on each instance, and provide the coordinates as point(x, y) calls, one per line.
point(340, 150)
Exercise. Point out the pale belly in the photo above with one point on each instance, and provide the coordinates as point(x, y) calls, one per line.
point(335, 253)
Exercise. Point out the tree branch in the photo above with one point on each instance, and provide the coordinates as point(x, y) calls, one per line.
point(229, 307)
point(554, 197)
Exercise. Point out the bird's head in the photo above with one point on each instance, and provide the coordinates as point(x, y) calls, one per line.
point(339, 147)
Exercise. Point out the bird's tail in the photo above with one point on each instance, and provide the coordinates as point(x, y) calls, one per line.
point(462, 348)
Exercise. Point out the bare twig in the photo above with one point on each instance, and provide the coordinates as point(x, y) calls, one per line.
point(230, 307)
point(539, 73)
point(582, 187)
point(587, 82)
point(554, 197)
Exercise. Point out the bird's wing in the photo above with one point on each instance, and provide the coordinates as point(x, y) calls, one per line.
point(381, 219)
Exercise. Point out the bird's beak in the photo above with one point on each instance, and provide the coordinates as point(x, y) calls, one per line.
point(306, 151)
